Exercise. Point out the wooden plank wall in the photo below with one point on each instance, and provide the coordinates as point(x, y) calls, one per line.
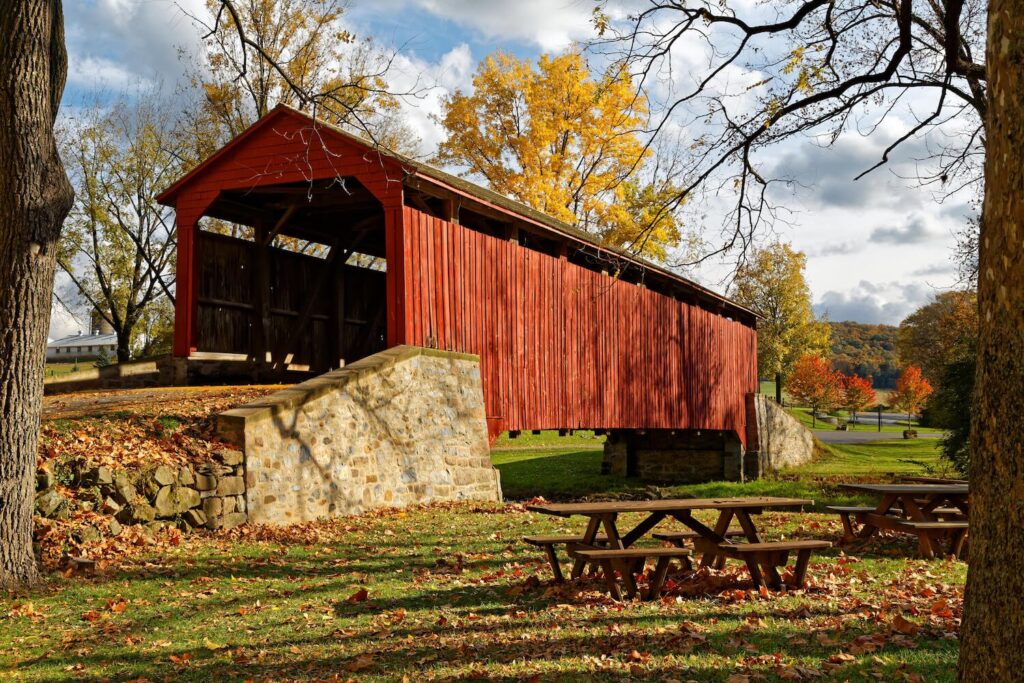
point(283, 147)
point(563, 347)
point(226, 315)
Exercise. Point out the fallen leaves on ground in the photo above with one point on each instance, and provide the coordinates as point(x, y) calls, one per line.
point(447, 592)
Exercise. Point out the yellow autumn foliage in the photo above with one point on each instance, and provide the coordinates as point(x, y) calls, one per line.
point(565, 142)
point(317, 56)
point(772, 283)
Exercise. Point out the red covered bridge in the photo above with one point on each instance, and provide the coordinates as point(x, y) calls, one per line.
point(570, 334)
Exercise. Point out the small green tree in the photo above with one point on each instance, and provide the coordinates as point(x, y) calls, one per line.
point(773, 284)
point(118, 245)
point(950, 406)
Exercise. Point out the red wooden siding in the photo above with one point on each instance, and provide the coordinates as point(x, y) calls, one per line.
point(561, 346)
point(282, 147)
point(565, 347)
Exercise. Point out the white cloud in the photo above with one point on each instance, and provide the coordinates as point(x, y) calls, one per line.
point(914, 231)
point(871, 302)
point(101, 73)
point(115, 43)
point(935, 269)
point(432, 82)
point(551, 25)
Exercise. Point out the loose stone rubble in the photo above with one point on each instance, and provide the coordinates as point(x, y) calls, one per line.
point(210, 495)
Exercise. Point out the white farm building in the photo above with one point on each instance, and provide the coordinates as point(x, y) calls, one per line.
point(82, 347)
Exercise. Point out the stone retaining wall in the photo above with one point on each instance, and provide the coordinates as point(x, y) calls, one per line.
point(209, 495)
point(403, 426)
point(781, 440)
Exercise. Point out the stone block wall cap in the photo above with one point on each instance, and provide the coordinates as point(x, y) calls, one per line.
point(310, 390)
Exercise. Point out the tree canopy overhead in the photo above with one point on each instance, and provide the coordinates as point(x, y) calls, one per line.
point(568, 143)
point(260, 53)
point(745, 77)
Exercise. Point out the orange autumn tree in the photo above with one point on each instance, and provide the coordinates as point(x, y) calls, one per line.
point(911, 391)
point(858, 393)
point(816, 385)
point(566, 142)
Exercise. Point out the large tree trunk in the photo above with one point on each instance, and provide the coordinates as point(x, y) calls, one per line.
point(35, 196)
point(124, 348)
point(994, 604)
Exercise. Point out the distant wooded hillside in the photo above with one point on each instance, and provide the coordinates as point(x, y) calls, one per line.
point(867, 350)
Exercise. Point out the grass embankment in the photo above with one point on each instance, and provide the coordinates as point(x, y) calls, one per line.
point(566, 473)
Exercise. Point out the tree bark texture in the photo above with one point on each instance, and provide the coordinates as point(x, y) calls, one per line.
point(994, 605)
point(35, 197)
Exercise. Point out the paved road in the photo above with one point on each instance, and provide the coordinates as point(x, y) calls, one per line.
point(862, 435)
point(868, 418)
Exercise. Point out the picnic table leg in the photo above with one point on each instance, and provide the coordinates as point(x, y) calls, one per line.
point(625, 567)
point(848, 533)
point(631, 537)
point(925, 542)
point(956, 543)
point(750, 531)
point(868, 530)
point(556, 569)
point(612, 532)
point(774, 580)
point(755, 572)
point(658, 578)
point(721, 528)
point(588, 538)
point(803, 558)
point(609, 578)
point(629, 580)
point(747, 524)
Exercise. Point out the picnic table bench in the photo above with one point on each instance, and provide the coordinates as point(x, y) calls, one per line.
point(614, 550)
point(934, 512)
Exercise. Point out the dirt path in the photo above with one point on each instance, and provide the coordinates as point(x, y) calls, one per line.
point(103, 402)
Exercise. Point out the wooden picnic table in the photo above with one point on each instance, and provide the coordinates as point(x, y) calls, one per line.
point(604, 515)
point(933, 512)
point(931, 480)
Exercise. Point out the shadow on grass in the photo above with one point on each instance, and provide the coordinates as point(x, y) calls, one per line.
point(538, 644)
point(566, 475)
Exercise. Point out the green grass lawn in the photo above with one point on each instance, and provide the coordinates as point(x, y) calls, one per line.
point(58, 369)
point(804, 416)
point(882, 459)
point(569, 473)
point(767, 387)
point(548, 439)
point(449, 592)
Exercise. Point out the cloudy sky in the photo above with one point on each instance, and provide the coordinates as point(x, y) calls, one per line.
point(877, 248)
